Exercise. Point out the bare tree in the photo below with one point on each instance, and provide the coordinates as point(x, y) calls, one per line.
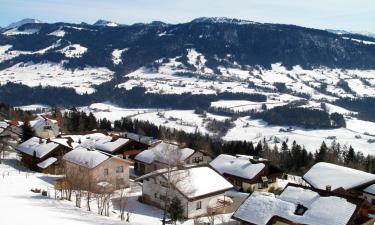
point(5, 145)
point(171, 156)
point(123, 203)
point(103, 197)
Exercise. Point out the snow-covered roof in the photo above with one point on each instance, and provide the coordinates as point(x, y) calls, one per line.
point(46, 163)
point(370, 189)
point(3, 126)
point(39, 145)
point(165, 152)
point(86, 158)
point(141, 138)
point(62, 141)
point(237, 166)
point(198, 181)
point(323, 174)
point(108, 144)
point(260, 207)
point(40, 120)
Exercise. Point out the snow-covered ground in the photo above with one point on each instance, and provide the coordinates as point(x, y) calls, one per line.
point(173, 76)
point(255, 130)
point(34, 107)
point(116, 55)
point(73, 51)
point(50, 74)
point(20, 206)
point(358, 133)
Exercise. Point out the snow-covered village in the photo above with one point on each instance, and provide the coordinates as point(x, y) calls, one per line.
point(199, 112)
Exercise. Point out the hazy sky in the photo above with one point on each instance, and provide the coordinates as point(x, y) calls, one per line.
point(353, 15)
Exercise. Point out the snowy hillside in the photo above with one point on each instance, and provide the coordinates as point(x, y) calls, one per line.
point(358, 133)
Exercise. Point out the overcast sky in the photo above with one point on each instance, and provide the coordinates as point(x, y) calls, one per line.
point(352, 15)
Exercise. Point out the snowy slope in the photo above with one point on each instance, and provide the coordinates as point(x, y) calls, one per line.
point(50, 74)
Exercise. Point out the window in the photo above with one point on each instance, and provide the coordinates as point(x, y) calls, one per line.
point(105, 172)
point(119, 169)
point(199, 205)
point(156, 195)
point(198, 159)
point(373, 201)
point(47, 128)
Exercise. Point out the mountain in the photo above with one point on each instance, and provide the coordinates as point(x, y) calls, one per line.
point(184, 65)
point(22, 22)
point(106, 23)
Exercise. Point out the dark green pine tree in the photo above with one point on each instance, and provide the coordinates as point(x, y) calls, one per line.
point(34, 166)
point(321, 155)
point(258, 149)
point(176, 211)
point(27, 131)
point(350, 156)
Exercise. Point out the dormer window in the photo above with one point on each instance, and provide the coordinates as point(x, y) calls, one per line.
point(300, 210)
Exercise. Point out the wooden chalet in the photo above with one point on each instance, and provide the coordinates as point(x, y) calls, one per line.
point(247, 173)
point(43, 155)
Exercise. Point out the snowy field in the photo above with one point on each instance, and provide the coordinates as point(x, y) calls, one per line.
point(50, 74)
point(20, 206)
point(255, 130)
point(172, 76)
point(358, 133)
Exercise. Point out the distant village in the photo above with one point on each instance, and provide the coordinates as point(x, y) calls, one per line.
point(187, 183)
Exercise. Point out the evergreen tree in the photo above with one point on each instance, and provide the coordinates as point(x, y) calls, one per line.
point(34, 166)
point(321, 155)
point(176, 211)
point(27, 131)
point(258, 149)
point(350, 155)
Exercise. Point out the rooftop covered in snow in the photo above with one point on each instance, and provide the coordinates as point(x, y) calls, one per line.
point(319, 209)
point(194, 182)
point(40, 120)
point(109, 144)
point(85, 157)
point(236, 166)
point(322, 175)
point(46, 163)
point(164, 153)
point(41, 147)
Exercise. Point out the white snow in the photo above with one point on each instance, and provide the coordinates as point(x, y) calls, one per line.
point(255, 130)
point(370, 189)
point(330, 210)
point(85, 157)
point(33, 107)
point(111, 111)
point(46, 163)
point(164, 153)
point(55, 75)
point(107, 144)
point(16, 31)
point(323, 174)
point(58, 33)
point(237, 166)
point(15, 193)
point(40, 146)
point(73, 51)
point(116, 55)
point(198, 181)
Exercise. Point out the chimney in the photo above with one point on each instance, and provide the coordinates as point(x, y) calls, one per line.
point(40, 141)
point(328, 188)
